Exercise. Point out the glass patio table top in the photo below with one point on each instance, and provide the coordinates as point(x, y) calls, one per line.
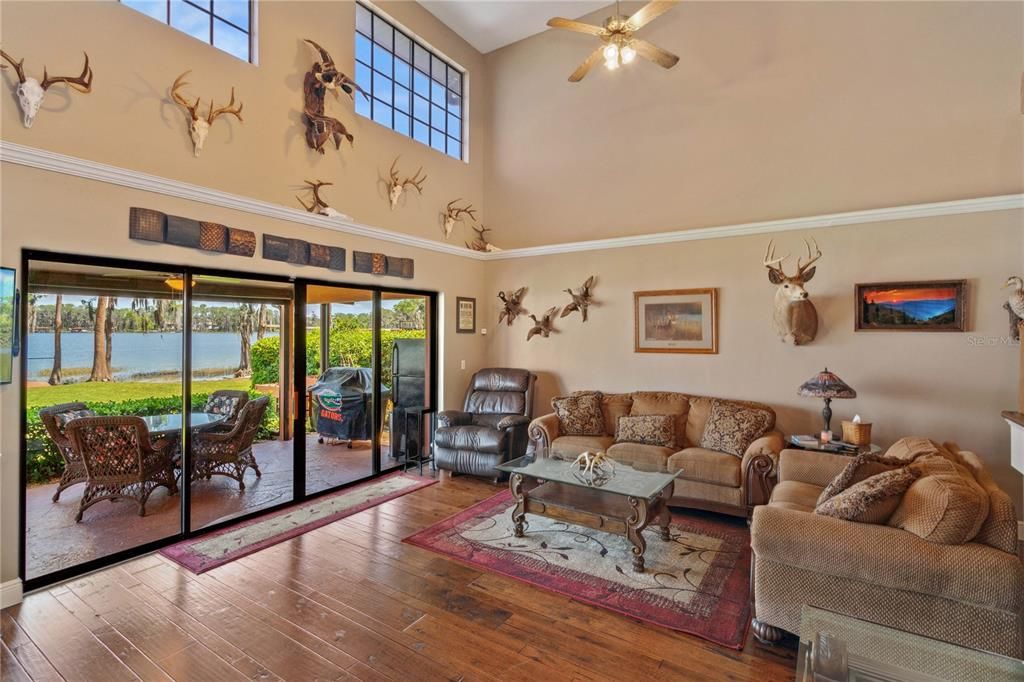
point(626, 480)
point(164, 424)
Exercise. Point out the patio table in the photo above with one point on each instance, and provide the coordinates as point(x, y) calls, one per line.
point(162, 425)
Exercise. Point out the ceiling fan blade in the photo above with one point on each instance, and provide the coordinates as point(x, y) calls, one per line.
point(588, 64)
point(578, 26)
point(649, 12)
point(652, 52)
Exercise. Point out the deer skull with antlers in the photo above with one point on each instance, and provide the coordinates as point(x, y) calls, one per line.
point(796, 318)
point(31, 92)
point(318, 205)
point(481, 243)
point(199, 127)
point(396, 187)
point(453, 214)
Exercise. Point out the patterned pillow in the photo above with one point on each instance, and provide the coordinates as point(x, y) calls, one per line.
point(221, 404)
point(873, 500)
point(64, 418)
point(733, 427)
point(579, 414)
point(861, 467)
point(648, 429)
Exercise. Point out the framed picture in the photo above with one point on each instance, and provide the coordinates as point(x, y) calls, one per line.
point(8, 323)
point(465, 311)
point(676, 321)
point(936, 306)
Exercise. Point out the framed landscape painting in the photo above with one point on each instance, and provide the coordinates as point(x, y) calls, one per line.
point(676, 321)
point(936, 306)
point(8, 323)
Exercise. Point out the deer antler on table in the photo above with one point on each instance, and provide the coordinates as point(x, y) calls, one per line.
point(454, 214)
point(199, 127)
point(396, 187)
point(32, 92)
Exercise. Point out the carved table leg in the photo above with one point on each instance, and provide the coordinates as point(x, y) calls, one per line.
point(515, 484)
point(665, 517)
point(635, 525)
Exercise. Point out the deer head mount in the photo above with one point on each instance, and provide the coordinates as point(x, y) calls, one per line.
point(32, 92)
point(481, 243)
point(199, 127)
point(396, 187)
point(511, 305)
point(581, 300)
point(324, 77)
point(453, 214)
point(796, 318)
point(544, 326)
point(318, 205)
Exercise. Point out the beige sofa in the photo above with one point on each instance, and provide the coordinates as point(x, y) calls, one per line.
point(970, 594)
point(711, 480)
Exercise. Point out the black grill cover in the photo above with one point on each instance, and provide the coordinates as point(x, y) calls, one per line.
point(341, 400)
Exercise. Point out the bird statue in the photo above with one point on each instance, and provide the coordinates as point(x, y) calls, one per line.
point(512, 305)
point(1015, 305)
point(543, 325)
point(580, 301)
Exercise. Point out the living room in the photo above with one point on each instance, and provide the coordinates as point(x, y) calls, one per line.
point(712, 230)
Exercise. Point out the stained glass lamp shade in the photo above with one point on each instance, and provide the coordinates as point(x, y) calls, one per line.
point(827, 386)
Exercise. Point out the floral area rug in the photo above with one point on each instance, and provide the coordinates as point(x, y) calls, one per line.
point(697, 583)
point(210, 551)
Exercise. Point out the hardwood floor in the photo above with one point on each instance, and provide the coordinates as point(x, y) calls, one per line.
point(348, 601)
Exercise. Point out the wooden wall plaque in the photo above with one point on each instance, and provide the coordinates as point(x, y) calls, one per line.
point(299, 252)
point(153, 226)
point(379, 264)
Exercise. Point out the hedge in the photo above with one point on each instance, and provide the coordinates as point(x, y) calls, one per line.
point(43, 462)
point(347, 347)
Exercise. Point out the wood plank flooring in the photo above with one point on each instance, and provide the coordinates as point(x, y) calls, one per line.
point(348, 601)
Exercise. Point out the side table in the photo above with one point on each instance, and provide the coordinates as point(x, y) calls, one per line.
point(818, 446)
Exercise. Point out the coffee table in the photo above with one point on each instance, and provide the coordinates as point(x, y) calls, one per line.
point(624, 504)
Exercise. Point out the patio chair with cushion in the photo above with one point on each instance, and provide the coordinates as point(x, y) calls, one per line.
point(120, 462)
point(55, 419)
point(229, 453)
point(227, 403)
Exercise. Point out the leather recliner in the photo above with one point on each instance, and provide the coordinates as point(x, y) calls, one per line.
point(492, 426)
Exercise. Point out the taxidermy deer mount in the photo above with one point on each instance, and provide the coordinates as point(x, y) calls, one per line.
point(543, 326)
point(31, 92)
point(796, 318)
point(396, 187)
point(453, 214)
point(199, 127)
point(1015, 305)
point(582, 300)
point(481, 243)
point(512, 305)
point(318, 205)
point(322, 77)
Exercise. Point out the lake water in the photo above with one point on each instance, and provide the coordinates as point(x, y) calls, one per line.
point(135, 354)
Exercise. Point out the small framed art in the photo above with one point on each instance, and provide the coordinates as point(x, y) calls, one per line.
point(676, 321)
point(932, 306)
point(465, 312)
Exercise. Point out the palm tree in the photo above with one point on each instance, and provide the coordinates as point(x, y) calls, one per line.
point(100, 364)
point(58, 326)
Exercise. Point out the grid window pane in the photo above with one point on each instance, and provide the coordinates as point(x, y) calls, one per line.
point(224, 24)
point(414, 91)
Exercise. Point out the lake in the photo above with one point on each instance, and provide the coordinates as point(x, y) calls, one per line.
point(136, 354)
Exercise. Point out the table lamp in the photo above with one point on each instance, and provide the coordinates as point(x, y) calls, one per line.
point(826, 385)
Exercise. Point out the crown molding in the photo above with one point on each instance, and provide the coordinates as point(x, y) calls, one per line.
point(24, 155)
point(34, 157)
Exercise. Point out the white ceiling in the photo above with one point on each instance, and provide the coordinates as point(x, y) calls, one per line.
point(490, 24)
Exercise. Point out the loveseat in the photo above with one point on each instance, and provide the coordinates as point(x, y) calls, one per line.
point(943, 565)
point(709, 478)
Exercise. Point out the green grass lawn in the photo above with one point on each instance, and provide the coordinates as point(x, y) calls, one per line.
point(113, 391)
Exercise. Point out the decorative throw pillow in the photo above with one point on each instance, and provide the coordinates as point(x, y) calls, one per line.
point(221, 404)
point(64, 418)
point(579, 414)
point(733, 427)
point(860, 468)
point(872, 500)
point(946, 505)
point(648, 429)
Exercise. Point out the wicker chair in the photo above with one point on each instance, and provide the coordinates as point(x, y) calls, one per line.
point(227, 403)
point(55, 418)
point(229, 453)
point(120, 462)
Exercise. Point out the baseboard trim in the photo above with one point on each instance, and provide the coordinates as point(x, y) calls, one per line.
point(10, 593)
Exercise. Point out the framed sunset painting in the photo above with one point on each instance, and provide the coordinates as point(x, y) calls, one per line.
point(676, 321)
point(937, 306)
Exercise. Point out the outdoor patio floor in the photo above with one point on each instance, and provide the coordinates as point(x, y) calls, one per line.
point(54, 541)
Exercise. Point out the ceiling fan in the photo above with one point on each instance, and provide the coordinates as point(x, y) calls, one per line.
point(620, 47)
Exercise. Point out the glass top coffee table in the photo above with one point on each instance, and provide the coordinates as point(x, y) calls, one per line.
point(623, 502)
point(846, 649)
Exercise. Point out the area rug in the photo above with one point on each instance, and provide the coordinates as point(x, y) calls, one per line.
point(210, 551)
point(697, 583)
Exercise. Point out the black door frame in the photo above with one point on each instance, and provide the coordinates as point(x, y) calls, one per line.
point(298, 402)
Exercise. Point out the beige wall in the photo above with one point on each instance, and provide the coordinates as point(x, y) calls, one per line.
point(946, 386)
point(775, 110)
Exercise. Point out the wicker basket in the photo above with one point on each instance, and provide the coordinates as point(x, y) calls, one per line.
point(856, 433)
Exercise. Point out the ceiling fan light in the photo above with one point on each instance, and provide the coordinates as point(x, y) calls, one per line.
point(611, 64)
point(611, 52)
point(628, 54)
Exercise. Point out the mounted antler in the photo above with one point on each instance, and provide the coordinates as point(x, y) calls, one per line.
point(397, 187)
point(453, 214)
point(32, 92)
point(198, 127)
point(796, 318)
point(811, 258)
point(481, 243)
point(319, 205)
